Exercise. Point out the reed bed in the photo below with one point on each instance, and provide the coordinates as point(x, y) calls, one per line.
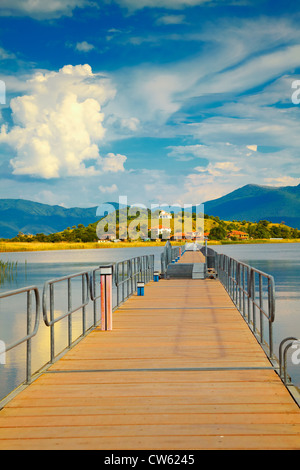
point(8, 271)
point(6, 247)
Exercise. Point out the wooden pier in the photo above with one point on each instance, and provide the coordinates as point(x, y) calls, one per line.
point(180, 370)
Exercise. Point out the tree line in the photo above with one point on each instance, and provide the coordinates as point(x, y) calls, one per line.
point(256, 230)
point(218, 231)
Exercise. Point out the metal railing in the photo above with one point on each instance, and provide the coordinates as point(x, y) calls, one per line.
point(94, 296)
point(49, 300)
point(283, 350)
point(31, 332)
point(129, 272)
point(253, 293)
point(170, 254)
point(126, 275)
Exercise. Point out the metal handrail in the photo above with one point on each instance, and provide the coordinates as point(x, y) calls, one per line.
point(247, 287)
point(283, 357)
point(30, 334)
point(49, 289)
point(140, 268)
point(92, 282)
point(169, 254)
point(49, 284)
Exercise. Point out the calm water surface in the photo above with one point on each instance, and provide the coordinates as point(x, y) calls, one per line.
point(34, 268)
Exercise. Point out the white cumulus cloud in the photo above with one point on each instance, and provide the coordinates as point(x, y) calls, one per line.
point(59, 124)
point(113, 163)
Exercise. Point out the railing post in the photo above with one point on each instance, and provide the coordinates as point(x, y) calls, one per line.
point(123, 276)
point(244, 287)
point(93, 280)
point(253, 300)
point(249, 293)
point(117, 282)
point(83, 296)
point(271, 312)
point(70, 316)
point(131, 276)
point(261, 307)
point(106, 297)
point(52, 337)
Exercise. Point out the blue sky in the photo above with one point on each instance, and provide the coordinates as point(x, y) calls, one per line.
point(172, 101)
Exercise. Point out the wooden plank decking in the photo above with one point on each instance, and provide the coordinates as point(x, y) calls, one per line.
point(177, 372)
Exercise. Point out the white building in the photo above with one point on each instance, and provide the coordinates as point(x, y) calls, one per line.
point(165, 215)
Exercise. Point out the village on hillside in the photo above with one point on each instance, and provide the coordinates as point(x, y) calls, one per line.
point(166, 226)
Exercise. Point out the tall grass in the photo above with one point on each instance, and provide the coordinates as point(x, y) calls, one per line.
point(6, 247)
point(8, 271)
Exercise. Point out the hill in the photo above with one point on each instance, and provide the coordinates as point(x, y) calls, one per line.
point(18, 215)
point(254, 203)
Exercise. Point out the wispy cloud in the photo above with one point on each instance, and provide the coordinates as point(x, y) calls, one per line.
point(170, 19)
point(5, 55)
point(84, 46)
point(41, 9)
point(108, 189)
point(133, 5)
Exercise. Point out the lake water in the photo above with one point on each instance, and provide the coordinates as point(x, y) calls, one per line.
point(35, 268)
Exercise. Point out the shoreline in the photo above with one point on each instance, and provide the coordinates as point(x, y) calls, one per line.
point(12, 247)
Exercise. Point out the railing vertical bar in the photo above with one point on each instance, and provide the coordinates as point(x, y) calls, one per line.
point(95, 301)
point(83, 308)
point(69, 310)
point(240, 288)
point(261, 307)
point(131, 275)
point(253, 300)
point(52, 332)
point(123, 291)
point(244, 292)
point(118, 284)
point(271, 313)
point(128, 278)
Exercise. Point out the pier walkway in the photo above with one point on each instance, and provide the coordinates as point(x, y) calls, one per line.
point(180, 370)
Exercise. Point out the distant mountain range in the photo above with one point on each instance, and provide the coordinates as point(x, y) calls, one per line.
point(254, 203)
point(251, 203)
point(18, 215)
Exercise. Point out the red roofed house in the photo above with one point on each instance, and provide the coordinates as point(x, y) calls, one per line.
point(238, 234)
